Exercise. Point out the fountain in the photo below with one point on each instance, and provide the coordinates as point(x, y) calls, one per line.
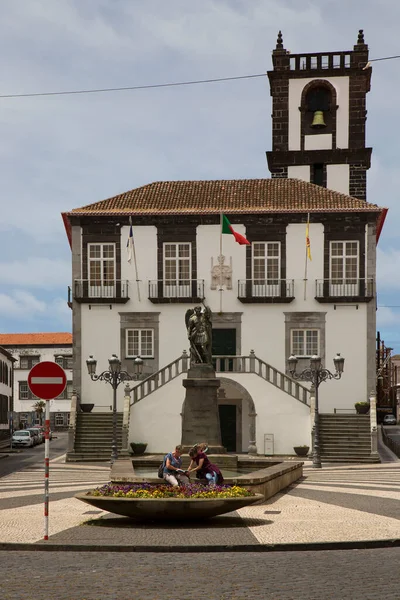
point(262, 476)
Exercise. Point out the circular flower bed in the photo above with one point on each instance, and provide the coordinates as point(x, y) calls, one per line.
point(147, 490)
point(146, 501)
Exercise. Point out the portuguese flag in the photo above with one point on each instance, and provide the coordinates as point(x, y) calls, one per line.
point(226, 227)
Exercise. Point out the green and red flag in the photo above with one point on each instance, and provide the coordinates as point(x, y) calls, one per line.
point(226, 227)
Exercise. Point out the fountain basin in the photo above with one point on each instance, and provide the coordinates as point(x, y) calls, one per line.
point(163, 509)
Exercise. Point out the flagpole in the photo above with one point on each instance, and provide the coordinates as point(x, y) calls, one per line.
point(220, 263)
point(134, 260)
point(306, 257)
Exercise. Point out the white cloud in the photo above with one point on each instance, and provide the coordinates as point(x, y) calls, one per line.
point(21, 304)
point(44, 273)
point(387, 316)
point(388, 269)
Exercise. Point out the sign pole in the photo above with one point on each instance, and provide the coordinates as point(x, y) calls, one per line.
point(46, 470)
point(47, 380)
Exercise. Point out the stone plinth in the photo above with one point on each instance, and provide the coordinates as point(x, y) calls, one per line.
point(200, 419)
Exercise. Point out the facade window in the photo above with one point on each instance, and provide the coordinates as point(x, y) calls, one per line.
point(27, 362)
point(140, 342)
point(25, 393)
point(67, 393)
point(4, 373)
point(304, 342)
point(101, 270)
point(344, 268)
point(59, 420)
point(177, 270)
point(266, 268)
point(3, 409)
point(66, 362)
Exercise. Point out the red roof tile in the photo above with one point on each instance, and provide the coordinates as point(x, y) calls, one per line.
point(231, 196)
point(35, 339)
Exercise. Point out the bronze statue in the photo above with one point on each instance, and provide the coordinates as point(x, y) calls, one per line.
point(199, 328)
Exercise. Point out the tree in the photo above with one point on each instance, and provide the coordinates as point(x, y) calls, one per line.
point(39, 407)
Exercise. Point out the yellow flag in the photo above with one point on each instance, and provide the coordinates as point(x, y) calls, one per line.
point(308, 245)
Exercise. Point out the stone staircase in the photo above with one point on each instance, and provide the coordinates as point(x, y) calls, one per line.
point(93, 437)
point(345, 438)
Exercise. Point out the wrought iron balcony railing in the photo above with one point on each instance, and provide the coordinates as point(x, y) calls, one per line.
point(182, 290)
point(344, 289)
point(266, 290)
point(90, 290)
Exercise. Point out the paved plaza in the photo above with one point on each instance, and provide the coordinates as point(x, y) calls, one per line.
point(336, 504)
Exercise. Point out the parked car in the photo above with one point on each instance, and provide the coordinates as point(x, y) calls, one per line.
point(23, 438)
point(43, 431)
point(389, 420)
point(39, 432)
point(35, 433)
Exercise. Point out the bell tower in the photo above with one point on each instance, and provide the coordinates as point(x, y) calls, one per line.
point(319, 115)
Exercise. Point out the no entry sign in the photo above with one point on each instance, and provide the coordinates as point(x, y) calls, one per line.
point(47, 380)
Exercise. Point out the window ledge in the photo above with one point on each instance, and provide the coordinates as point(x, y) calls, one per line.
point(89, 300)
point(343, 299)
point(266, 300)
point(188, 300)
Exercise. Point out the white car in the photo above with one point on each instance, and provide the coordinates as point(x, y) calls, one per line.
point(40, 433)
point(22, 438)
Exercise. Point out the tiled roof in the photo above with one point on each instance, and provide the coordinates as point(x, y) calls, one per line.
point(230, 196)
point(35, 339)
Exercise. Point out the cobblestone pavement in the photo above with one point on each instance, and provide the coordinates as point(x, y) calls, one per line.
point(21, 500)
point(334, 504)
point(333, 575)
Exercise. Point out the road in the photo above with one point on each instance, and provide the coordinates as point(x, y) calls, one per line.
point(329, 575)
point(28, 457)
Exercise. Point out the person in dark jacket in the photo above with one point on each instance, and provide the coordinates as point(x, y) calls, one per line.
point(201, 464)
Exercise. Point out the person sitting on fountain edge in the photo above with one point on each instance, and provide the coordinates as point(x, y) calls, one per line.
point(173, 472)
point(204, 469)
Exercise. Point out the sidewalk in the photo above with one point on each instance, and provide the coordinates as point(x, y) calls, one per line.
point(336, 506)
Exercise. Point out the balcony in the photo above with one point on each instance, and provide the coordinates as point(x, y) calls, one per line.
point(96, 292)
point(265, 291)
point(344, 290)
point(176, 292)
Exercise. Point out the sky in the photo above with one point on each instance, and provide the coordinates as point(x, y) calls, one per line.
point(62, 152)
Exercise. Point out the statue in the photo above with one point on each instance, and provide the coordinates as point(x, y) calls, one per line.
point(199, 330)
point(221, 274)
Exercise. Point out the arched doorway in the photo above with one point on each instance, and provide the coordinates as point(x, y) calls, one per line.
point(237, 417)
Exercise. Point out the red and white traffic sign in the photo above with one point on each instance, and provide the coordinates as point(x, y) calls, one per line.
point(47, 380)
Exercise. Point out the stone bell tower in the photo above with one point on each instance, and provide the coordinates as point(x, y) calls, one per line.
point(319, 115)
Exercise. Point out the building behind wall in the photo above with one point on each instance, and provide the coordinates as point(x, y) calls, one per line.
point(6, 396)
point(28, 349)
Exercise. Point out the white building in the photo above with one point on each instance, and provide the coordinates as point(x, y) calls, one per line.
point(28, 349)
point(275, 301)
point(6, 395)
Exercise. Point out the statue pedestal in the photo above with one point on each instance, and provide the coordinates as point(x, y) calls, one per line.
point(200, 419)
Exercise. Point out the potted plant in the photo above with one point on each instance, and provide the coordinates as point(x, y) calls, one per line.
point(138, 447)
point(362, 408)
point(86, 407)
point(301, 450)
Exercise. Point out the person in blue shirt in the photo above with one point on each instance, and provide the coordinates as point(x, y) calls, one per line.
point(173, 472)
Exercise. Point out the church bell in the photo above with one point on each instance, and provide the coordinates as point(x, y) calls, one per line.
point(318, 120)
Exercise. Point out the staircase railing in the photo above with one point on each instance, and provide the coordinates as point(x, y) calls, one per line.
point(224, 364)
point(253, 364)
point(160, 378)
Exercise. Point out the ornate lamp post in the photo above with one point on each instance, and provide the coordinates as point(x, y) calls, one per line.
point(316, 374)
point(114, 376)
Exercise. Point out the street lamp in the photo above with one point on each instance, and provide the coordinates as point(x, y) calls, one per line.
point(114, 376)
point(316, 374)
